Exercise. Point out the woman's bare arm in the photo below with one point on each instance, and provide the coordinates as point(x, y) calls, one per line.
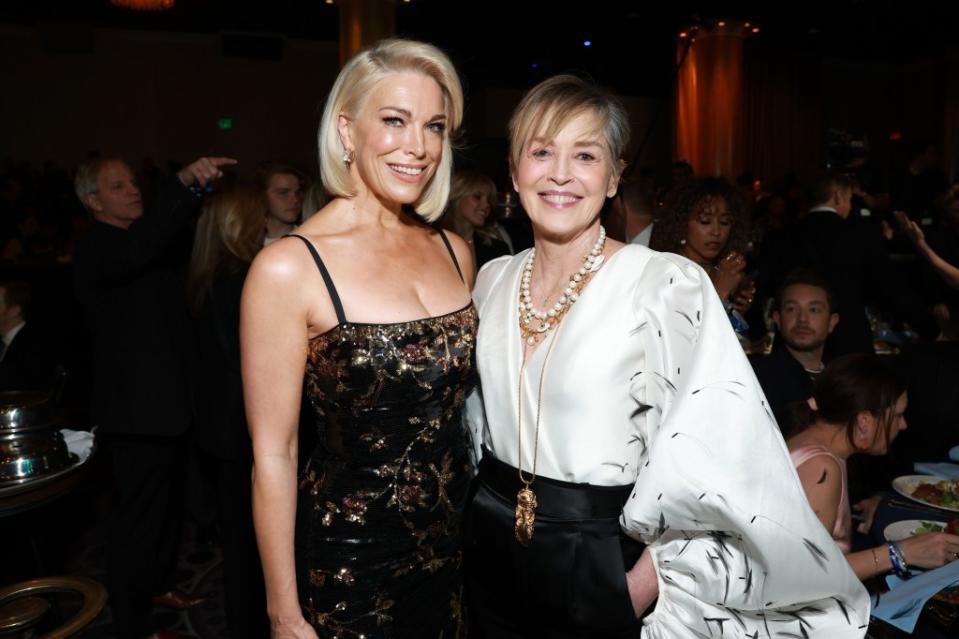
point(273, 336)
point(946, 271)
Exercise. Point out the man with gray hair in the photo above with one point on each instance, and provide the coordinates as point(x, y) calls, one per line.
point(128, 277)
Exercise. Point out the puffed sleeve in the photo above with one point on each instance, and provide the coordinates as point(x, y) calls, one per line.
point(737, 550)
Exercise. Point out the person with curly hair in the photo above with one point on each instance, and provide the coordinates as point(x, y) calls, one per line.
point(705, 220)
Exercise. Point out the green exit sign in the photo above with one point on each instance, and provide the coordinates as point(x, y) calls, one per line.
point(224, 124)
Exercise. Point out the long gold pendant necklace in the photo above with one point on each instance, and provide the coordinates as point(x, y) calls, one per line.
point(526, 498)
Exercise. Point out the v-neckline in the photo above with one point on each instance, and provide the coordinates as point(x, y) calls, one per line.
point(524, 359)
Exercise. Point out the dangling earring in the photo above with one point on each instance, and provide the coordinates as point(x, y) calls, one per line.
point(348, 157)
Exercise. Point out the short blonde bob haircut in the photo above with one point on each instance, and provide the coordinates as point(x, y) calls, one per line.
point(551, 104)
point(357, 79)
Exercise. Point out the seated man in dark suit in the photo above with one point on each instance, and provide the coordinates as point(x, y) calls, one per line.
point(850, 254)
point(804, 318)
point(27, 361)
point(129, 277)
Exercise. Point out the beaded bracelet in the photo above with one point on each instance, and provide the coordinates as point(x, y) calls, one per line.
point(899, 565)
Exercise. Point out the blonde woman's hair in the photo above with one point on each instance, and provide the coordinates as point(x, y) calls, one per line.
point(553, 103)
point(228, 235)
point(466, 183)
point(314, 199)
point(355, 82)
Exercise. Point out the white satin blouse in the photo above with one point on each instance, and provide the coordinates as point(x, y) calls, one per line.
point(648, 385)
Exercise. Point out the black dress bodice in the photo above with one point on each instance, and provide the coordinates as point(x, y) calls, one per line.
point(380, 502)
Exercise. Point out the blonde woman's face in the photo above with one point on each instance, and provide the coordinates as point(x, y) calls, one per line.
point(397, 137)
point(475, 206)
point(563, 182)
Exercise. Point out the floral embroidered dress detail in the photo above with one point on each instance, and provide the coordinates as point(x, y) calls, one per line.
point(380, 501)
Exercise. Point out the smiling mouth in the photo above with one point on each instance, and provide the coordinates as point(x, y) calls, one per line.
point(560, 200)
point(407, 170)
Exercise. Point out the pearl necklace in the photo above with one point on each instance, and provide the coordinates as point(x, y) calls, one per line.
point(551, 318)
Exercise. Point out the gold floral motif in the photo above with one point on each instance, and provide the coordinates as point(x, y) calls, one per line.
point(366, 466)
point(344, 576)
point(354, 509)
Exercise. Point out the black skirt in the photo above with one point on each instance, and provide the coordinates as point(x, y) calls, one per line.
point(571, 579)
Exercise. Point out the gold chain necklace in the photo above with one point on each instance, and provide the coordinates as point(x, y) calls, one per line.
point(525, 498)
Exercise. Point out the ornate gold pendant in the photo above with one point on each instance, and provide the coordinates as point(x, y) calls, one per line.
point(525, 515)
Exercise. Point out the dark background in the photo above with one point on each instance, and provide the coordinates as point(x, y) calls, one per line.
point(88, 76)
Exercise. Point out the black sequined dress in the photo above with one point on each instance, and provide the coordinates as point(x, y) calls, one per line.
point(380, 502)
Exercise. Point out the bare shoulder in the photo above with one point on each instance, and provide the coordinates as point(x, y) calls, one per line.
point(821, 472)
point(282, 263)
point(464, 256)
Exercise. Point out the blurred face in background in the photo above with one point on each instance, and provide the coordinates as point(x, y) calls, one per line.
point(707, 230)
point(804, 318)
point(877, 432)
point(284, 198)
point(842, 202)
point(475, 207)
point(117, 201)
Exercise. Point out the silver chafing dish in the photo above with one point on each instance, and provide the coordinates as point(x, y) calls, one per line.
point(31, 446)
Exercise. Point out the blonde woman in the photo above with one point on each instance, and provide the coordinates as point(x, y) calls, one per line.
point(469, 215)
point(370, 307)
point(228, 235)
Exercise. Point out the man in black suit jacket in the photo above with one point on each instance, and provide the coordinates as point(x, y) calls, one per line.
point(27, 360)
point(804, 317)
point(128, 277)
point(849, 253)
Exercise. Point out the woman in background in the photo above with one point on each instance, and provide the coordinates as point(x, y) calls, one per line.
point(228, 235)
point(857, 406)
point(705, 220)
point(470, 215)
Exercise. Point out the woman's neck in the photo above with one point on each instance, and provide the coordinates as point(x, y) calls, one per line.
point(832, 437)
point(371, 210)
point(556, 260)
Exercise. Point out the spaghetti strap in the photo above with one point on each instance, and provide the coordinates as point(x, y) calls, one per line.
point(449, 247)
point(334, 296)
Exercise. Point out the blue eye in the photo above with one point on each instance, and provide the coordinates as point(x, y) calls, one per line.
point(436, 127)
point(393, 121)
point(539, 153)
point(586, 157)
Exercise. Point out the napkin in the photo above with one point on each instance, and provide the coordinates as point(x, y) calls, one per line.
point(79, 442)
point(901, 606)
point(939, 469)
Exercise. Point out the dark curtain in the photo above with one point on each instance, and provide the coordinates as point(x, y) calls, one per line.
point(783, 126)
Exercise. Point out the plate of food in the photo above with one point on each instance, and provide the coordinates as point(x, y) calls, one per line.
point(929, 490)
point(911, 527)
